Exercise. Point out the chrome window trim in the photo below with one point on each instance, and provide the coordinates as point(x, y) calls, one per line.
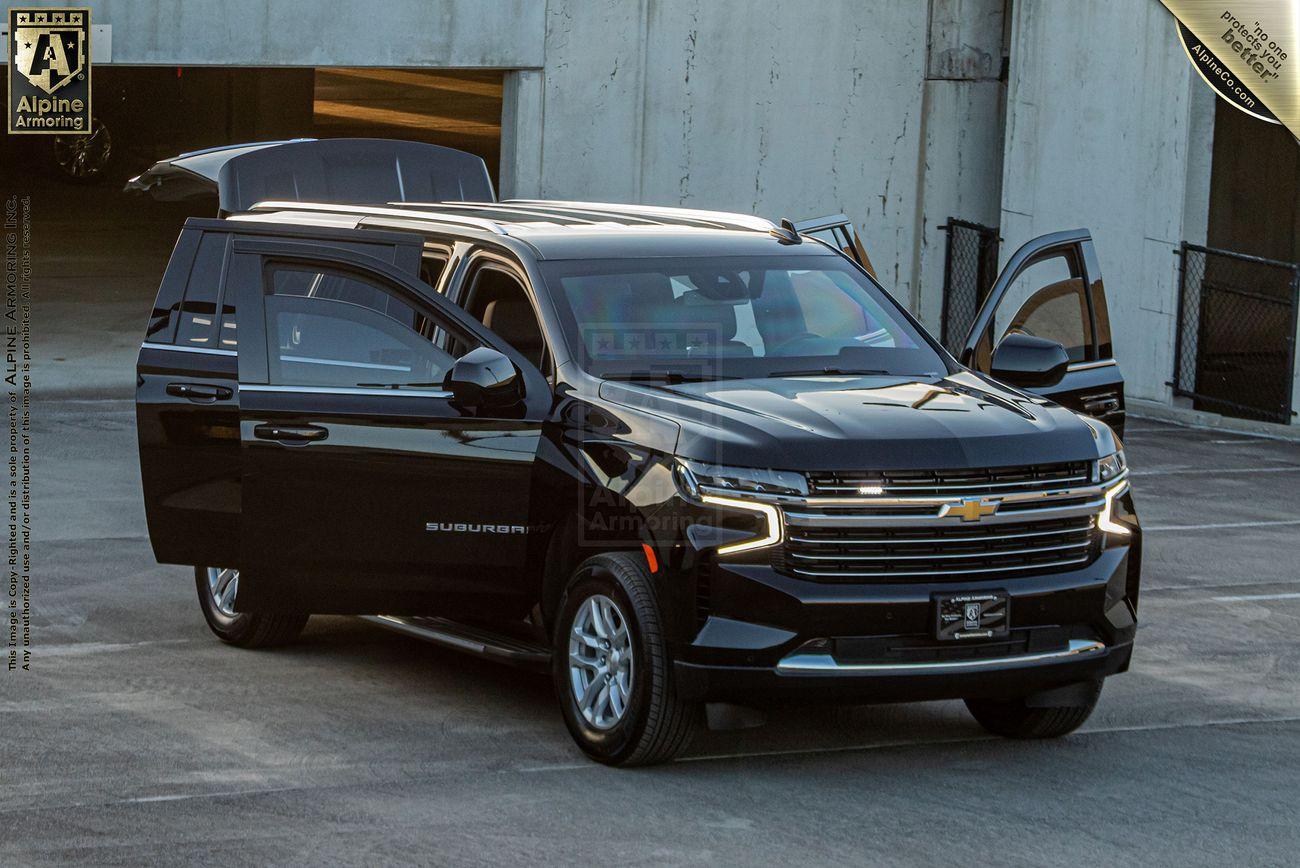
point(346, 390)
point(825, 663)
point(211, 351)
point(1088, 366)
point(342, 363)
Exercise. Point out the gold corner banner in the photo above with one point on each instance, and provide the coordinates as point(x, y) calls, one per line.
point(1248, 51)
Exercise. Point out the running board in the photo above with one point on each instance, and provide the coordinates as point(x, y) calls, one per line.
point(472, 640)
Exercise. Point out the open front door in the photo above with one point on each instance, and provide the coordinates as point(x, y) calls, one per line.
point(1052, 288)
point(837, 231)
point(366, 488)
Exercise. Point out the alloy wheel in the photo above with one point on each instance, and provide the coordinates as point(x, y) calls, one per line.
point(223, 585)
point(601, 661)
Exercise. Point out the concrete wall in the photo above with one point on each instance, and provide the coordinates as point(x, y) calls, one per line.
point(1097, 135)
point(500, 34)
point(961, 162)
point(775, 108)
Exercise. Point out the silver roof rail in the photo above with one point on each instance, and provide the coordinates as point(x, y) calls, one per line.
point(494, 206)
point(375, 211)
point(720, 219)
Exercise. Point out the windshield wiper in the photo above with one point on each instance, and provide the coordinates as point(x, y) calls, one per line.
point(832, 371)
point(670, 377)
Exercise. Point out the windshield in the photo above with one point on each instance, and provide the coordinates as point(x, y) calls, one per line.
point(712, 317)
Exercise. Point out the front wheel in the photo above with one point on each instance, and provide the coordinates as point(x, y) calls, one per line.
point(217, 587)
point(1016, 718)
point(613, 676)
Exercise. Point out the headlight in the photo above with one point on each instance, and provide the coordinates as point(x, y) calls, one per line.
point(1111, 471)
point(741, 479)
point(737, 482)
point(1111, 467)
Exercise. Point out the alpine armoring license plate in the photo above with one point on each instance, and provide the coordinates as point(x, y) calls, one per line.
point(971, 615)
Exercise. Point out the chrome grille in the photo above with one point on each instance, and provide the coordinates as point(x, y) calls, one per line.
point(971, 483)
point(954, 553)
point(902, 528)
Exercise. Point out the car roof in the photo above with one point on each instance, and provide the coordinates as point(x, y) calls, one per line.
point(558, 229)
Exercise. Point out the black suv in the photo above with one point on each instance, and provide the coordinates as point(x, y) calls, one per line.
point(685, 460)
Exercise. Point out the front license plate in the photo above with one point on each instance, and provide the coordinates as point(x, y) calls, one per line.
point(979, 615)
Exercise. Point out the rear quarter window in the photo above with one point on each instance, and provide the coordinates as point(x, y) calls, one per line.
point(167, 306)
point(198, 317)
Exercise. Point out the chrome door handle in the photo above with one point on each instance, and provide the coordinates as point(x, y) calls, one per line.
point(199, 393)
point(294, 434)
point(1101, 406)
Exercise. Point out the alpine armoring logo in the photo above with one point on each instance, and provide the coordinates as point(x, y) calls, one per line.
point(1218, 76)
point(49, 71)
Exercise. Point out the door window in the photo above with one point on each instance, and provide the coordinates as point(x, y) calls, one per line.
point(332, 328)
point(1047, 299)
point(499, 301)
point(431, 269)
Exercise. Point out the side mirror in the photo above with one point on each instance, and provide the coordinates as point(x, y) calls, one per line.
point(483, 377)
point(1029, 362)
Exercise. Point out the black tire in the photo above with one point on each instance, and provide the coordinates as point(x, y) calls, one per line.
point(1014, 718)
point(247, 629)
point(656, 725)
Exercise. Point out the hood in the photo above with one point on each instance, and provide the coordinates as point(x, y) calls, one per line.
point(884, 423)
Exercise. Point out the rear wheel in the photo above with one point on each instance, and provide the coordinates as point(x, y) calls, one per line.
point(613, 676)
point(1016, 718)
point(217, 588)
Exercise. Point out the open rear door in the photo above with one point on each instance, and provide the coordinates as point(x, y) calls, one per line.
point(837, 231)
point(343, 171)
point(1052, 288)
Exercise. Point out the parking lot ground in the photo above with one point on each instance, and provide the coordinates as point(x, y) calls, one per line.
point(140, 739)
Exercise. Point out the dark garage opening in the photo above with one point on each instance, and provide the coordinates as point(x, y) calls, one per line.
point(1238, 295)
point(98, 253)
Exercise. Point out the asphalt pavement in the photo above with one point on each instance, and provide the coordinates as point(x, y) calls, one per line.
point(137, 738)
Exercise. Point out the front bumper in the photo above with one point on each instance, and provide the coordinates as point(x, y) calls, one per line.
point(770, 637)
point(833, 683)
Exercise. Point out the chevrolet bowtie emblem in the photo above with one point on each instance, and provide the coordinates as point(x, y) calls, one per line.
point(971, 508)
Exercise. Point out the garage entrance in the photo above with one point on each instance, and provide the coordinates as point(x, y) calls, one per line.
point(99, 253)
point(1238, 296)
point(146, 113)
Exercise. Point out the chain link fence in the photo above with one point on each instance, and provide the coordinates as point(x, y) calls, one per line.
point(1235, 351)
point(969, 269)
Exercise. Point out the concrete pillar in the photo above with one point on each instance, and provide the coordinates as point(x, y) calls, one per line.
point(961, 161)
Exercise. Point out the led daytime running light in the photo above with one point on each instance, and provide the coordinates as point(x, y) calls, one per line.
point(773, 535)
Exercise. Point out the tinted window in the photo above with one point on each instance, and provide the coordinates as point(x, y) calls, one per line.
point(327, 328)
point(734, 316)
point(198, 319)
point(167, 306)
point(500, 302)
point(1046, 299)
point(431, 268)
